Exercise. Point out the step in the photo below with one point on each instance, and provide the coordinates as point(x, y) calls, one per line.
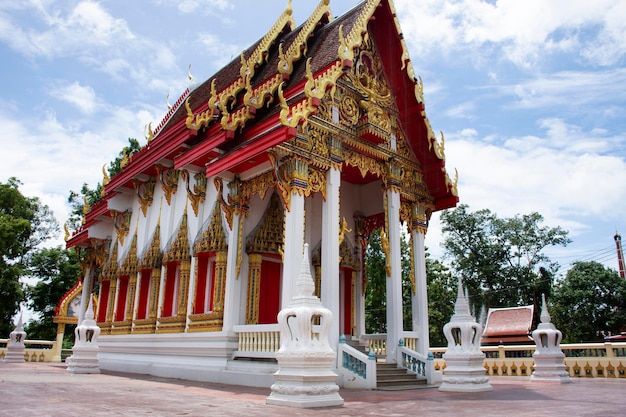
point(390, 377)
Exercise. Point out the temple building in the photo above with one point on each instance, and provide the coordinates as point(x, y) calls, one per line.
point(316, 134)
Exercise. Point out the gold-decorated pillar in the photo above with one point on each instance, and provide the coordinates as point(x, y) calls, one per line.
point(254, 288)
point(391, 241)
point(419, 298)
point(330, 293)
point(296, 171)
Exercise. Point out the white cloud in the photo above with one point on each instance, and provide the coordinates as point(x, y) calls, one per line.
point(220, 52)
point(191, 6)
point(83, 97)
point(575, 89)
point(561, 175)
point(521, 31)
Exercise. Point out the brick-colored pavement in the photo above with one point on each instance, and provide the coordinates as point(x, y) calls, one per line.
point(42, 389)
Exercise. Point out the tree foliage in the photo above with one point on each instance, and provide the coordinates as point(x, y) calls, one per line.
point(24, 224)
point(589, 303)
point(501, 261)
point(57, 270)
point(441, 291)
point(441, 297)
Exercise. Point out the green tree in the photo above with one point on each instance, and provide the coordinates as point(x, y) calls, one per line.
point(501, 261)
point(24, 224)
point(375, 296)
point(441, 297)
point(589, 303)
point(441, 290)
point(57, 270)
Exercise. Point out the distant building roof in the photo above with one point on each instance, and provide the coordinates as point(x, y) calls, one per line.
point(508, 325)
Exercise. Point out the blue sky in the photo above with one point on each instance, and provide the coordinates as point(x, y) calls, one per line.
point(531, 96)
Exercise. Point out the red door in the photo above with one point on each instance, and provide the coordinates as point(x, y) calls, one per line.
point(269, 297)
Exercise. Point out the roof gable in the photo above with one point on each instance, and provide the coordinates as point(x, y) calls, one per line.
point(262, 98)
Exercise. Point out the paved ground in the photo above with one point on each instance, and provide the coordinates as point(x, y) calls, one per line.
point(41, 389)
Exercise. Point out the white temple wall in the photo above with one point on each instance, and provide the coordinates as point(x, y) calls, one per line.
point(370, 198)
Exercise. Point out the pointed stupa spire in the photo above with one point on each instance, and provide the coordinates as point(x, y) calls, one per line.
point(89, 313)
point(545, 316)
point(461, 306)
point(305, 286)
point(20, 326)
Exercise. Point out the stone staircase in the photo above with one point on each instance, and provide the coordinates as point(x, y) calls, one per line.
point(388, 376)
point(391, 378)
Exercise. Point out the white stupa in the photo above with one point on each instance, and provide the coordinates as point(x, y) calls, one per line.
point(464, 370)
point(15, 347)
point(305, 358)
point(84, 359)
point(549, 359)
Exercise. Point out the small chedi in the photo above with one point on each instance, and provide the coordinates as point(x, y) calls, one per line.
point(305, 378)
point(464, 370)
point(548, 356)
point(15, 347)
point(84, 359)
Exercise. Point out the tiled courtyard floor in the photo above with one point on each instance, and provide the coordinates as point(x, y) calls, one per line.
point(42, 389)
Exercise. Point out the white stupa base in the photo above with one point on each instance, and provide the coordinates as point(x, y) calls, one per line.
point(83, 361)
point(549, 368)
point(465, 373)
point(15, 354)
point(305, 389)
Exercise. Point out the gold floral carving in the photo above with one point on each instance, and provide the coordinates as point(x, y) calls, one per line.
point(348, 256)
point(121, 222)
point(349, 110)
point(214, 237)
point(258, 185)
point(151, 258)
point(129, 264)
point(110, 268)
point(268, 237)
point(295, 175)
point(179, 248)
point(198, 194)
point(168, 178)
point(145, 193)
point(254, 288)
point(364, 163)
point(420, 215)
point(395, 174)
point(406, 212)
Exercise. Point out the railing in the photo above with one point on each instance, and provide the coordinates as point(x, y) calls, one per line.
point(34, 350)
point(378, 342)
point(420, 365)
point(357, 369)
point(592, 360)
point(258, 341)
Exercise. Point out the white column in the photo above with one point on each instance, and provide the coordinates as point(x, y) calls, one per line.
point(294, 241)
point(84, 296)
point(394, 282)
point(330, 252)
point(419, 300)
point(233, 282)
